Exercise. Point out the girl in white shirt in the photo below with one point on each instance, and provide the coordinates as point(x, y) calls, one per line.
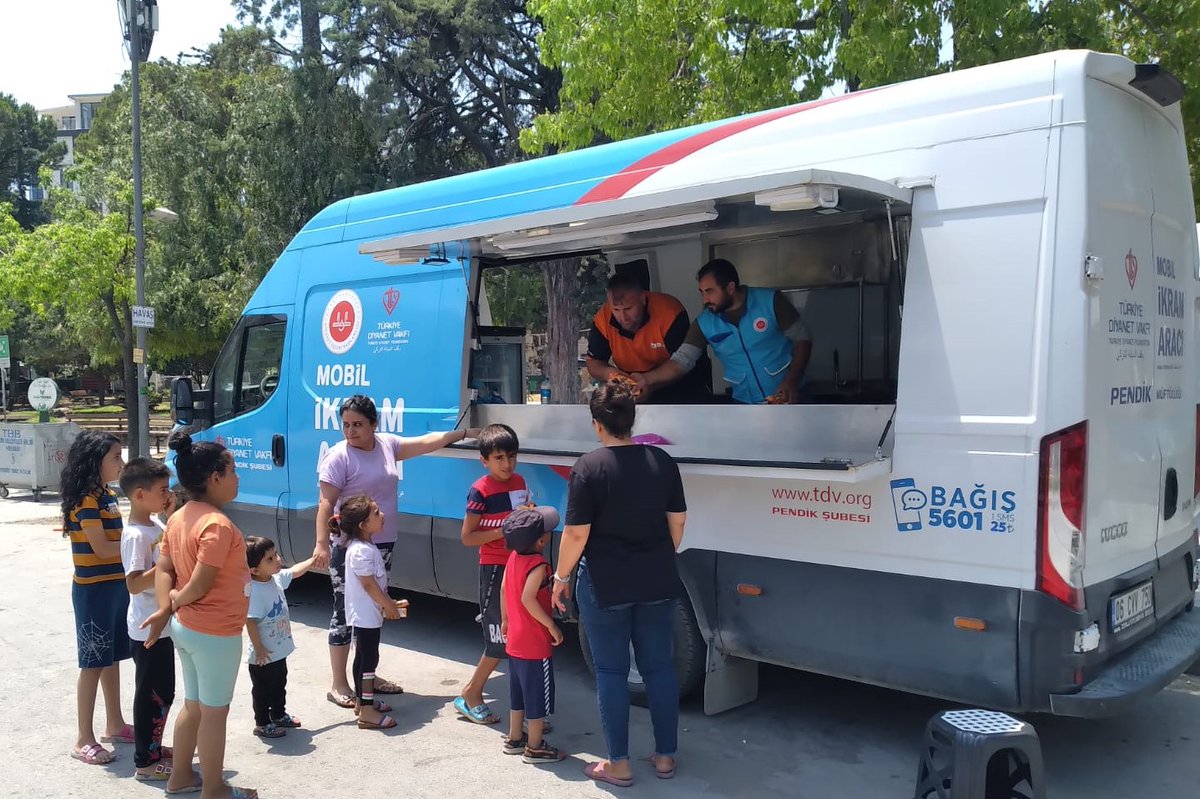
point(367, 602)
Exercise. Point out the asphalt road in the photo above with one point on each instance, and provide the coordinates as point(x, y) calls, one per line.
point(806, 736)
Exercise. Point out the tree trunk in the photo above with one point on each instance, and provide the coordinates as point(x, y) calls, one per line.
point(853, 82)
point(562, 331)
point(122, 327)
point(131, 397)
point(310, 31)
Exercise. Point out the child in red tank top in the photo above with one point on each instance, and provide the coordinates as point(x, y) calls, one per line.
point(530, 632)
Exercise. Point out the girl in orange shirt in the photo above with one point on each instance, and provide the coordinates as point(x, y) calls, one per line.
point(203, 580)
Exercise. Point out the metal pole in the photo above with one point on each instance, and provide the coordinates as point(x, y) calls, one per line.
point(139, 257)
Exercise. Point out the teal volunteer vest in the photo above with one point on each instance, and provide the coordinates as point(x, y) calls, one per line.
point(754, 352)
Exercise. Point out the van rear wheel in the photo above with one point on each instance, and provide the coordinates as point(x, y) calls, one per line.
point(688, 653)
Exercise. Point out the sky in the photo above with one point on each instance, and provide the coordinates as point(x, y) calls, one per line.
point(53, 48)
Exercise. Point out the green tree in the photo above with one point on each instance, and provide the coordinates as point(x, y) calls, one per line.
point(45, 342)
point(630, 68)
point(27, 144)
point(78, 269)
point(448, 84)
point(233, 147)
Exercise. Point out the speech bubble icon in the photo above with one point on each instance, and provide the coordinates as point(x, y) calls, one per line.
point(912, 499)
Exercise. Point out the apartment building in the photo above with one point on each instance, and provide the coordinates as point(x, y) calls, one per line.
point(70, 120)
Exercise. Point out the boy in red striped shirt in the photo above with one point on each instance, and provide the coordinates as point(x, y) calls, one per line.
point(489, 502)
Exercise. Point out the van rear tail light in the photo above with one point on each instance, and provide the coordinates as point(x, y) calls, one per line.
point(1062, 478)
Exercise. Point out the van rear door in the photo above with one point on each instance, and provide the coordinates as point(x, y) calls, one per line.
point(1175, 342)
point(1124, 464)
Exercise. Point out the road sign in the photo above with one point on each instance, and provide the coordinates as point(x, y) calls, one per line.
point(4, 356)
point(139, 355)
point(143, 316)
point(43, 393)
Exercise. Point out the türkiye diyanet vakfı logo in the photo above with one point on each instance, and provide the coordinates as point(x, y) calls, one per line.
point(977, 508)
point(342, 321)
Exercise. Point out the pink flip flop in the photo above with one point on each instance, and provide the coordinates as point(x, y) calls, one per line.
point(125, 736)
point(93, 755)
point(596, 772)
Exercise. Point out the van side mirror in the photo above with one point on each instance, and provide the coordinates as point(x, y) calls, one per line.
point(181, 400)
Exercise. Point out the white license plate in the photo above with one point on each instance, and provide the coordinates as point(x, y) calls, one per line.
point(1127, 609)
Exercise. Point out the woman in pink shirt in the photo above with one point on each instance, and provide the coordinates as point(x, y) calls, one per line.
point(363, 463)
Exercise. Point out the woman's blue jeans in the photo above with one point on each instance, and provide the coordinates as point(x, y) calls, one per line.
point(650, 627)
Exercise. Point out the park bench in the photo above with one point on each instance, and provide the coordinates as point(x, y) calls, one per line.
point(115, 423)
point(81, 396)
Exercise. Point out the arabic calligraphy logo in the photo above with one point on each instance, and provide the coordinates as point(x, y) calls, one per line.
point(391, 298)
point(342, 321)
point(1131, 267)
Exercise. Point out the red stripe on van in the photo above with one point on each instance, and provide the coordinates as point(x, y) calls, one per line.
point(622, 182)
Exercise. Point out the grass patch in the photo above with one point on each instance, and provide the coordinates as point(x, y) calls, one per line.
point(80, 415)
point(107, 410)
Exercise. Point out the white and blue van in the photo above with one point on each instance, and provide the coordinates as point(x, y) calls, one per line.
point(990, 495)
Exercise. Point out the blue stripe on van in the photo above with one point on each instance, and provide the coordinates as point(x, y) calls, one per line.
point(539, 184)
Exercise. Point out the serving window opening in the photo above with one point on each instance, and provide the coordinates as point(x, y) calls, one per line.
point(835, 251)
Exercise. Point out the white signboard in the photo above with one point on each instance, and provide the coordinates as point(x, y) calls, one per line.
point(43, 393)
point(17, 460)
point(143, 316)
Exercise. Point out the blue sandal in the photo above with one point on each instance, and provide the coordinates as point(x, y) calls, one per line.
point(480, 714)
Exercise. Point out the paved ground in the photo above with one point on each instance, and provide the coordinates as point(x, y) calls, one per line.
point(806, 736)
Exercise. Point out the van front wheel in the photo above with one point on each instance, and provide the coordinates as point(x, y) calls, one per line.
point(688, 653)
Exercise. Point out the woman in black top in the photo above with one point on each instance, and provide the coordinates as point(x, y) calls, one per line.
point(625, 518)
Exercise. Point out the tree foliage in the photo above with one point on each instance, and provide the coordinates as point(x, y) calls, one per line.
point(449, 83)
point(77, 271)
point(242, 158)
point(55, 268)
point(27, 144)
point(47, 343)
point(639, 66)
point(630, 68)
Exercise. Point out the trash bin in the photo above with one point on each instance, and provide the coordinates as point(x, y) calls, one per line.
point(32, 455)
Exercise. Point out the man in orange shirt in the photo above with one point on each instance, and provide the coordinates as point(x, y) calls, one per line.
point(638, 330)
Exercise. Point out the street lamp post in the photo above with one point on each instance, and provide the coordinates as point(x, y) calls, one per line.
point(139, 252)
point(141, 16)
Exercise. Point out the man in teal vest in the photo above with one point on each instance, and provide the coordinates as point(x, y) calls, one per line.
point(759, 337)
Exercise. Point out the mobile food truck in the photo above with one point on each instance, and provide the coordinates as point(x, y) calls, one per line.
point(989, 494)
